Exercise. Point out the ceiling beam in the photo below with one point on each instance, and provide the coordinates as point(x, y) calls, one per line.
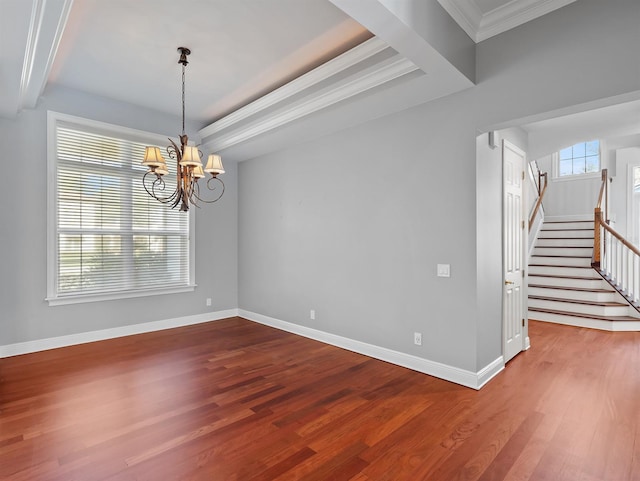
point(31, 33)
point(421, 31)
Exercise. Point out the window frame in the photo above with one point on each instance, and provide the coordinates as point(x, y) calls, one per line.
point(93, 126)
point(587, 175)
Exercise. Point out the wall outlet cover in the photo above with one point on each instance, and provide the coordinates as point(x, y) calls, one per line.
point(444, 270)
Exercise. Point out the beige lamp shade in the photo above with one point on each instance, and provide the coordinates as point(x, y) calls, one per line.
point(198, 173)
point(153, 157)
point(214, 165)
point(161, 170)
point(190, 156)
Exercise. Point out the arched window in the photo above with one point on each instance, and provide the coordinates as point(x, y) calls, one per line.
point(581, 158)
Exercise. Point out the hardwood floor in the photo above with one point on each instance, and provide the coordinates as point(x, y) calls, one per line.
point(234, 400)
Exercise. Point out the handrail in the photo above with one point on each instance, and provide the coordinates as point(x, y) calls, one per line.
point(598, 221)
point(615, 258)
point(620, 239)
point(540, 197)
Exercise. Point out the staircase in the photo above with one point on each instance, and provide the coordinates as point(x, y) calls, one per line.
point(564, 288)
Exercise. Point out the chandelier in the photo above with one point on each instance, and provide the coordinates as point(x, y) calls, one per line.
point(188, 165)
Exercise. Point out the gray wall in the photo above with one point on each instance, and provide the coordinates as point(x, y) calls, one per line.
point(25, 316)
point(353, 225)
point(619, 192)
point(569, 197)
point(489, 238)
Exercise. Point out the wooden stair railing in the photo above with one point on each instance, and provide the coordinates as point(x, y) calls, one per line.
point(541, 191)
point(615, 258)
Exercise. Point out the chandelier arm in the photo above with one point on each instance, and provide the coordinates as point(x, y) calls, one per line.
point(159, 184)
point(156, 182)
point(211, 201)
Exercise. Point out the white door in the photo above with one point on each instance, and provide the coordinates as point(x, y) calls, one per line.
point(513, 309)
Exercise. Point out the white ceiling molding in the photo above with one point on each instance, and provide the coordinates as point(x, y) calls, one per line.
point(514, 14)
point(481, 26)
point(239, 127)
point(385, 19)
point(466, 14)
point(332, 67)
point(48, 19)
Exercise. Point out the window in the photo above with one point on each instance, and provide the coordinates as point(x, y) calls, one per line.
point(582, 158)
point(107, 237)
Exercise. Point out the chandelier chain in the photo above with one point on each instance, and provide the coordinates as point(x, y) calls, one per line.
point(183, 99)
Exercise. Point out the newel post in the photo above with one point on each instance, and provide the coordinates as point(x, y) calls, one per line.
point(597, 218)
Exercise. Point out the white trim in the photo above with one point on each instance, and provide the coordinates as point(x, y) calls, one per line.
point(630, 233)
point(382, 72)
point(481, 26)
point(47, 23)
point(110, 296)
point(101, 335)
point(466, 14)
point(432, 368)
point(612, 326)
point(569, 218)
point(329, 69)
point(589, 176)
point(490, 371)
point(524, 251)
point(515, 13)
point(126, 133)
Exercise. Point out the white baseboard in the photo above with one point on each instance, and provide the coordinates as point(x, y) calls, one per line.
point(474, 380)
point(443, 371)
point(612, 326)
point(101, 335)
point(488, 372)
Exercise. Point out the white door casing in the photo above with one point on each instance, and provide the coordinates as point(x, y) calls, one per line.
point(513, 300)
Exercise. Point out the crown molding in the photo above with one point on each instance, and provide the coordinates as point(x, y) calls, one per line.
point(230, 130)
point(466, 14)
point(515, 13)
point(329, 69)
point(481, 26)
point(47, 23)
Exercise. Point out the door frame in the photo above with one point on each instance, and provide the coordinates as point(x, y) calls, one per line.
point(524, 238)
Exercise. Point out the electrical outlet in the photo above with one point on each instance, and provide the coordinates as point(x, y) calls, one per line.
point(312, 314)
point(208, 301)
point(444, 270)
point(417, 338)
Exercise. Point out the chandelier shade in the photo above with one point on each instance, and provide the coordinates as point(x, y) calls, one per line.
point(189, 169)
point(214, 165)
point(153, 157)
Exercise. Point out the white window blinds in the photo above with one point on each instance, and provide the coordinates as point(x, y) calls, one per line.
point(110, 235)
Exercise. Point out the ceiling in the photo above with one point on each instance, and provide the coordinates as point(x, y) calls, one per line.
point(256, 65)
point(241, 49)
point(618, 125)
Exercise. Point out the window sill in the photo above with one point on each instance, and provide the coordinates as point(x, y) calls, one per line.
point(79, 299)
point(565, 178)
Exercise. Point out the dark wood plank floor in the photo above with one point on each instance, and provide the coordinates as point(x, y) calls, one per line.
point(234, 400)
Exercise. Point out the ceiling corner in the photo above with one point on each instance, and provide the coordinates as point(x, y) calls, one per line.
point(466, 14)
